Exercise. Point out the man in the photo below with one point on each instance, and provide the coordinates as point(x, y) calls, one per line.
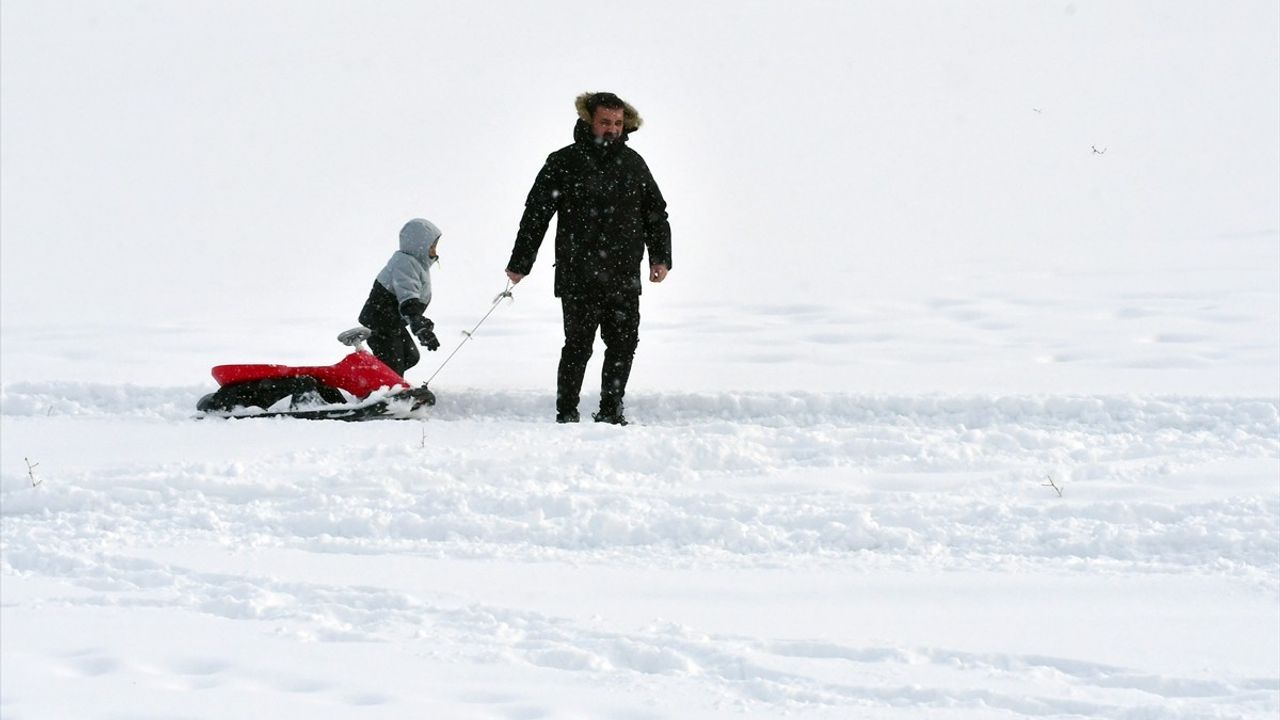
point(611, 212)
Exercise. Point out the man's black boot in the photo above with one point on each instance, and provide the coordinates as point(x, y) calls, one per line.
point(567, 417)
point(613, 417)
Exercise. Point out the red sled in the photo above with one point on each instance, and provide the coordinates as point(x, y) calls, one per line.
point(359, 373)
point(358, 387)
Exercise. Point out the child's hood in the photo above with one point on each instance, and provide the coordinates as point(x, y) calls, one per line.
point(416, 238)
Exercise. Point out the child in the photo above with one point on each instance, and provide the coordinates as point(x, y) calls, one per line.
point(400, 295)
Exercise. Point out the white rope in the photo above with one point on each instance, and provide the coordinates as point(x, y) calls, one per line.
point(506, 293)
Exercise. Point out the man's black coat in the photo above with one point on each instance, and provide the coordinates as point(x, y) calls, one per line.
point(610, 212)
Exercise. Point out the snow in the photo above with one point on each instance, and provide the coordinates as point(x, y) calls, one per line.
point(939, 413)
point(763, 553)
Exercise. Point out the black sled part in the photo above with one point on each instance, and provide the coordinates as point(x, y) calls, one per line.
point(310, 400)
point(263, 394)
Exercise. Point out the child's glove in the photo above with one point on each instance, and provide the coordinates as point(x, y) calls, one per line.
point(422, 328)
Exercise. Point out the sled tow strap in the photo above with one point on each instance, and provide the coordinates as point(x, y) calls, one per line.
point(506, 293)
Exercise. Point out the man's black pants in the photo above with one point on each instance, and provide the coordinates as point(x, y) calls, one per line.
point(618, 319)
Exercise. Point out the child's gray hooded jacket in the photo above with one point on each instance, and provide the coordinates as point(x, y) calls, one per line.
point(403, 288)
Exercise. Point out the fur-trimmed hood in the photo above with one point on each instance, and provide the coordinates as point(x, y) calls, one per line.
point(631, 120)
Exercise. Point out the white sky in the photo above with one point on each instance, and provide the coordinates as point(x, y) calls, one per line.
point(245, 160)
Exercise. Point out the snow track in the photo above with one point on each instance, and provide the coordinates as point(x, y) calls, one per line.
point(829, 525)
point(1102, 413)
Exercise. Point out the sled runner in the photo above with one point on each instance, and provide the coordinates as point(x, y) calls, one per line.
point(358, 387)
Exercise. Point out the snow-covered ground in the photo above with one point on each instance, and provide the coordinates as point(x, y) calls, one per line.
point(812, 554)
point(941, 413)
point(777, 553)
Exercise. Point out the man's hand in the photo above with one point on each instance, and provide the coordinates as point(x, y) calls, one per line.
point(657, 273)
point(514, 277)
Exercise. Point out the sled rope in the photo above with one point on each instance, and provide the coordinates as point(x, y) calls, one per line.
point(506, 293)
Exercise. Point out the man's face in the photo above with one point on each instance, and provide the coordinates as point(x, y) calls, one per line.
point(606, 124)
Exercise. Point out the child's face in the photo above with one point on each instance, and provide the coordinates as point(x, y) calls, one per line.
point(431, 251)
